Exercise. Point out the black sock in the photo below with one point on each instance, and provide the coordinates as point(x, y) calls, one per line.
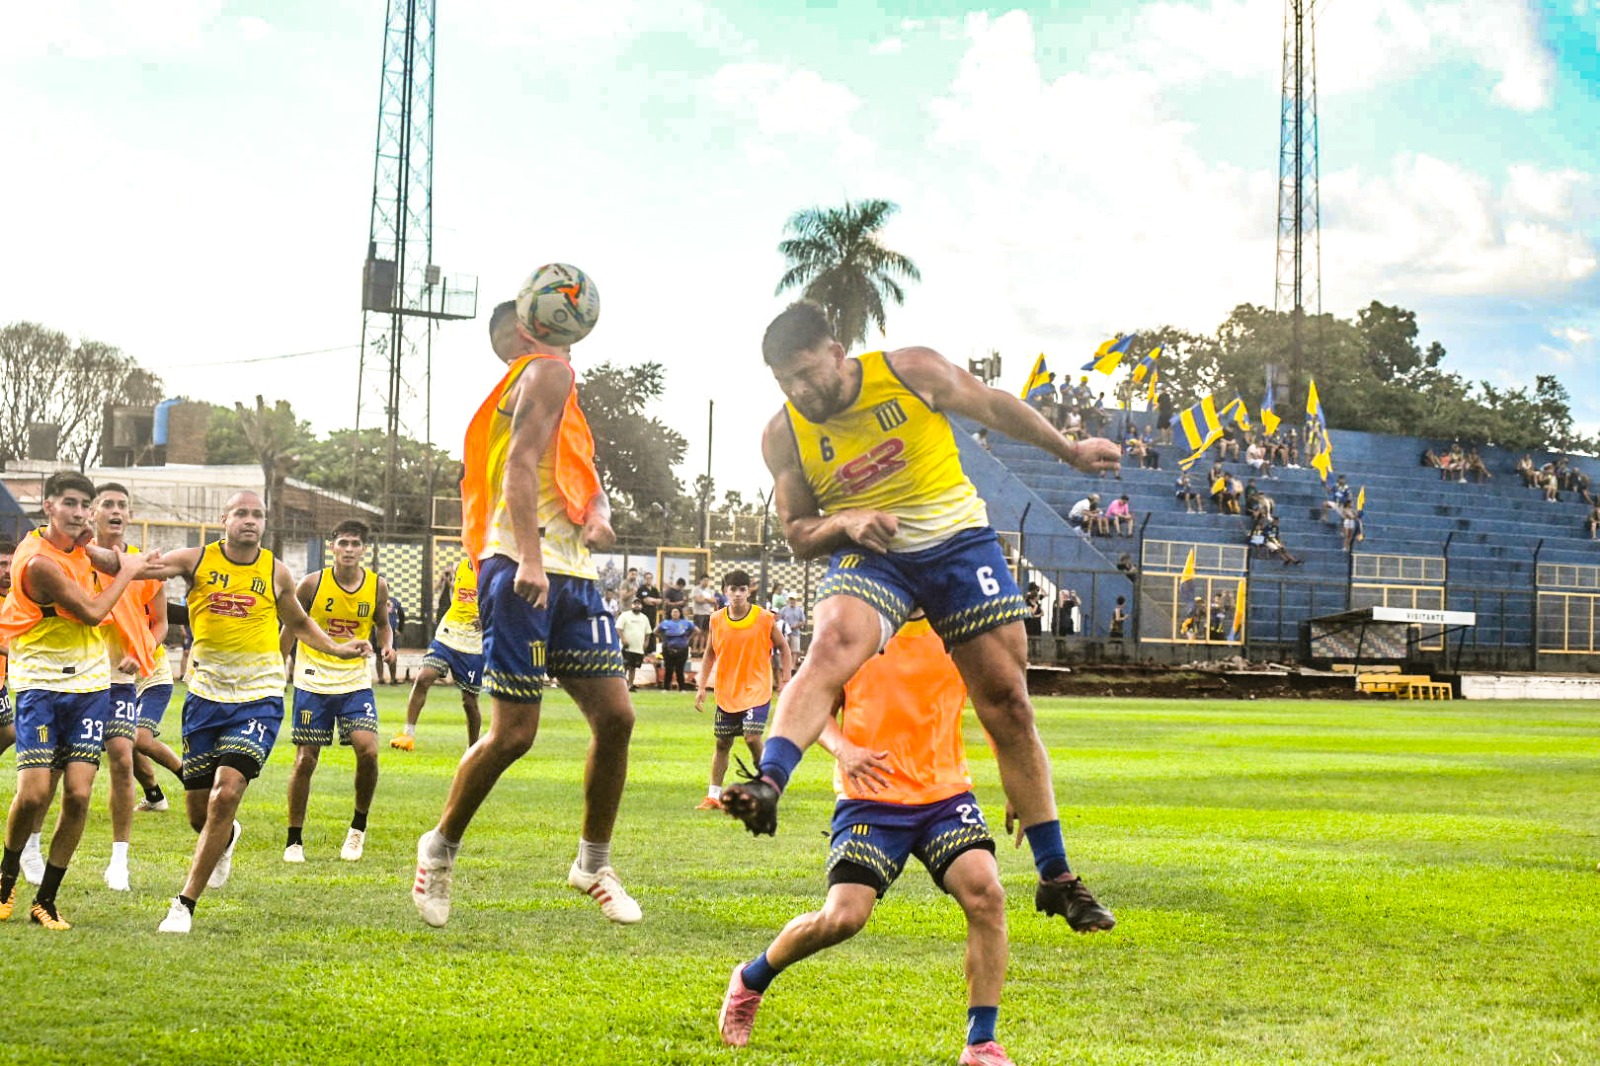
point(295, 837)
point(153, 794)
point(10, 870)
point(178, 773)
point(52, 881)
point(358, 821)
point(187, 902)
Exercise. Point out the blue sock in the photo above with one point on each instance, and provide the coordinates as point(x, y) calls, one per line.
point(778, 760)
point(980, 1024)
point(759, 973)
point(1049, 852)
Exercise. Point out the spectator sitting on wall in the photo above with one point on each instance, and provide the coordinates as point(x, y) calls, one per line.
point(1527, 471)
point(1085, 514)
point(1264, 535)
point(1256, 457)
point(1593, 521)
point(1183, 490)
point(1119, 618)
point(1550, 483)
point(1475, 467)
point(1063, 624)
point(1429, 458)
point(1119, 517)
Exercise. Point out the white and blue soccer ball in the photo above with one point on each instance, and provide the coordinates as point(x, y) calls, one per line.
point(558, 304)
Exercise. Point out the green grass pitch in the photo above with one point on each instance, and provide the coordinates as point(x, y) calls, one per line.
point(1316, 882)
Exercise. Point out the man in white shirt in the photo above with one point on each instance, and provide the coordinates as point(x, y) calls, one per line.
point(633, 626)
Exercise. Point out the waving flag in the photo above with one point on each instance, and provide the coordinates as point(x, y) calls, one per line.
point(1147, 364)
point(1317, 441)
point(1110, 353)
point(1240, 414)
point(1361, 501)
point(1238, 613)
point(1038, 386)
point(1150, 392)
point(1269, 417)
point(1201, 428)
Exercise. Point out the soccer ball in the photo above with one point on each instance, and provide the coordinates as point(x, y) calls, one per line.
point(558, 304)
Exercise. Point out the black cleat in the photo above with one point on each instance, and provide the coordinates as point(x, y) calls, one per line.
point(1069, 897)
point(755, 803)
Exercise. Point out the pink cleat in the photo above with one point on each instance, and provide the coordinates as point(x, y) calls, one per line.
point(738, 1014)
point(987, 1053)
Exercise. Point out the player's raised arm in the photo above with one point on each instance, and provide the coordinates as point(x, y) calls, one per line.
point(296, 622)
point(177, 563)
point(541, 396)
point(809, 532)
point(949, 388)
point(47, 584)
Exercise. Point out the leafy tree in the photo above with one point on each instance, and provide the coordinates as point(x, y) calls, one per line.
point(48, 379)
point(276, 437)
point(354, 466)
point(226, 443)
point(836, 258)
point(636, 454)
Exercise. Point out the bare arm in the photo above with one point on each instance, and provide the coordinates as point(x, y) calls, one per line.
point(303, 592)
point(297, 623)
point(156, 613)
point(49, 585)
point(382, 630)
point(947, 387)
point(177, 563)
point(541, 396)
point(862, 767)
point(597, 532)
point(809, 532)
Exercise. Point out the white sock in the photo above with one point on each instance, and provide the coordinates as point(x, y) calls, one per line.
point(411, 729)
point(33, 844)
point(441, 848)
point(592, 858)
point(119, 853)
point(714, 791)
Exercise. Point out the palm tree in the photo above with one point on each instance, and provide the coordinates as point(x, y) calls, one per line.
point(835, 257)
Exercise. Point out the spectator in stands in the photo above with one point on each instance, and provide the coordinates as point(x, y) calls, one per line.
point(1527, 471)
point(629, 588)
point(1233, 495)
point(633, 628)
point(674, 633)
point(1228, 444)
point(1065, 623)
point(1256, 457)
point(1475, 467)
point(1043, 398)
point(1164, 416)
point(1348, 526)
point(608, 600)
point(1549, 483)
point(1293, 445)
point(676, 595)
point(702, 605)
point(1152, 457)
point(1033, 622)
point(1429, 458)
point(1126, 568)
point(1458, 462)
point(1183, 490)
point(1580, 485)
point(1135, 449)
point(1219, 618)
point(1193, 625)
point(1119, 517)
point(793, 617)
point(1593, 521)
point(1264, 535)
point(1338, 497)
point(982, 437)
point(1252, 498)
point(1072, 424)
point(1085, 515)
point(1119, 618)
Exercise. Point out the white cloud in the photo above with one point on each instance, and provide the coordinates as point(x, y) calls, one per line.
point(595, 31)
point(99, 29)
point(787, 109)
point(889, 46)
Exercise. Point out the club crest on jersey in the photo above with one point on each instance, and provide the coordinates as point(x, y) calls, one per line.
point(363, 609)
point(889, 415)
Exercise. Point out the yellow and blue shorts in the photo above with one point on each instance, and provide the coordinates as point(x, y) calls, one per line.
point(872, 841)
point(216, 734)
point(317, 713)
point(57, 728)
point(572, 636)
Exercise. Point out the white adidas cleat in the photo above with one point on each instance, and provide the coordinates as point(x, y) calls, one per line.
point(116, 876)
point(224, 868)
point(355, 842)
point(294, 853)
point(32, 865)
point(431, 889)
point(178, 919)
point(604, 888)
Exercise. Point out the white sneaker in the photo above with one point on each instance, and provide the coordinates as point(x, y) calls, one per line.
point(178, 919)
point(294, 853)
point(431, 890)
point(32, 865)
point(606, 890)
point(158, 805)
point(224, 868)
point(116, 876)
point(354, 842)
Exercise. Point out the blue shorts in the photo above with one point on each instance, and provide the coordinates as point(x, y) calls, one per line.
point(574, 636)
point(871, 841)
point(55, 728)
point(239, 735)
point(124, 720)
point(6, 715)
point(751, 723)
point(465, 670)
point(152, 705)
point(315, 714)
point(964, 584)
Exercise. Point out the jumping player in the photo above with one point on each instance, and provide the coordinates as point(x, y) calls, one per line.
point(51, 622)
point(533, 511)
point(239, 594)
point(901, 778)
point(866, 467)
point(743, 638)
point(347, 602)
point(457, 650)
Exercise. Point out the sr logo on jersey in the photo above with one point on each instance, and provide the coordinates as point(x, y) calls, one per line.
point(865, 471)
point(466, 595)
point(231, 604)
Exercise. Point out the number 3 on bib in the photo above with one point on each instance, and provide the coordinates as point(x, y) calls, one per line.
point(986, 581)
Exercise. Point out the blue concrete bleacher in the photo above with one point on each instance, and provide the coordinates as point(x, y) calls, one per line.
point(1488, 533)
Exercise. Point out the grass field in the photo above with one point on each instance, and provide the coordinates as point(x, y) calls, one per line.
point(1295, 882)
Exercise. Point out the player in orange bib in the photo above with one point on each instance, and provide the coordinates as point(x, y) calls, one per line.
point(742, 640)
point(901, 776)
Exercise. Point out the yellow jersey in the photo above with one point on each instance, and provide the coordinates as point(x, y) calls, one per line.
point(561, 547)
point(889, 451)
point(161, 675)
point(460, 628)
point(344, 615)
point(233, 613)
point(49, 649)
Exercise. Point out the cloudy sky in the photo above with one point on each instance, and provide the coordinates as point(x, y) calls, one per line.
point(191, 179)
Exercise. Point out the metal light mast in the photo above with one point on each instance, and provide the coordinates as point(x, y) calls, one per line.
point(1299, 206)
point(400, 280)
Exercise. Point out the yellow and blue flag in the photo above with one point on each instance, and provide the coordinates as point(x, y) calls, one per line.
point(1150, 390)
point(1110, 353)
point(1240, 414)
point(1269, 417)
point(1317, 440)
point(1314, 406)
point(1147, 364)
point(1201, 428)
point(1361, 501)
point(1238, 613)
point(1038, 386)
point(1186, 584)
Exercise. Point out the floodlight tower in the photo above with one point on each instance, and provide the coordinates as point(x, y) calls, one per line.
point(400, 280)
point(1299, 206)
